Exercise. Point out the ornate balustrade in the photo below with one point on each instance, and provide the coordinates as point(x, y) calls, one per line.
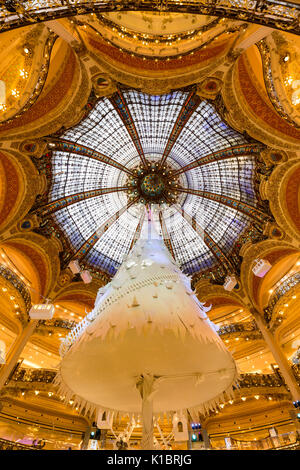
point(245, 329)
point(296, 357)
point(296, 372)
point(49, 326)
point(286, 441)
point(46, 376)
point(261, 380)
point(272, 13)
point(286, 286)
point(10, 445)
point(33, 375)
point(19, 285)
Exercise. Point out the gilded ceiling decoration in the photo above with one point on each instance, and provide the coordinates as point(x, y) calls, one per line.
point(189, 107)
point(283, 15)
point(171, 150)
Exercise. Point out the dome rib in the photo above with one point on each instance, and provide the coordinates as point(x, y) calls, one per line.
point(213, 166)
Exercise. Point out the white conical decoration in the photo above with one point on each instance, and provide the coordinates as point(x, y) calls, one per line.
point(148, 338)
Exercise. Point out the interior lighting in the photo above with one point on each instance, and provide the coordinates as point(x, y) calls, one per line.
point(42, 311)
point(261, 267)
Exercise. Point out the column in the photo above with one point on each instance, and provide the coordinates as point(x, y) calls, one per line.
point(279, 357)
point(15, 351)
point(205, 439)
point(86, 438)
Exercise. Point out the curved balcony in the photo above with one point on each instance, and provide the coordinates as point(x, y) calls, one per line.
point(20, 286)
point(42, 379)
point(54, 325)
point(11, 445)
point(286, 441)
point(286, 286)
point(26, 375)
point(296, 371)
point(261, 380)
point(247, 330)
point(264, 13)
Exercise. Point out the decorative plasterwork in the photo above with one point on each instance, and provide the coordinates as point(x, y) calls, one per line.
point(283, 16)
point(80, 291)
point(278, 80)
point(162, 82)
point(206, 291)
point(256, 120)
point(29, 81)
point(267, 249)
point(43, 254)
point(57, 107)
point(13, 288)
point(282, 191)
point(21, 185)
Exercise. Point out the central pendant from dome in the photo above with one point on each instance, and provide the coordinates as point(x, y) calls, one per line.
point(153, 184)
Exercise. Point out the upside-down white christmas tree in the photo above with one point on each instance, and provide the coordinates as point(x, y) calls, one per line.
point(148, 347)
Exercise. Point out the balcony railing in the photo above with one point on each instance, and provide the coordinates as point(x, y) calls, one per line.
point(55, 323)
point(286, 441)
point(279, 292)
point(247, 329)
point(272, 13)
point(260, 380)
point(11, 445)
point(27, 375)
point(18, 284)
point(296, 372)
point(30, 375)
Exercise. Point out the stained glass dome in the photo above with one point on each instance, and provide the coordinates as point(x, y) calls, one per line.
point(199, 172)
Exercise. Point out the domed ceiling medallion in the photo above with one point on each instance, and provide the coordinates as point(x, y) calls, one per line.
point(153, 184)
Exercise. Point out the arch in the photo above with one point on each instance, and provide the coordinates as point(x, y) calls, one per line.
point(19, 185)
point(37, 256)
point(280, 254)
point(250, 109)
point(65, 93)
point(283, 192)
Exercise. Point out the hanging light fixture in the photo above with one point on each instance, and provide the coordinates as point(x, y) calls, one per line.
point(230, 282)
point(74, 266)
point(86, 276)
point(261, 267)
point(42, 312)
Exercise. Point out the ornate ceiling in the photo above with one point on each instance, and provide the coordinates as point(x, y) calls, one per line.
point(89, 94)
point(181, 141)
